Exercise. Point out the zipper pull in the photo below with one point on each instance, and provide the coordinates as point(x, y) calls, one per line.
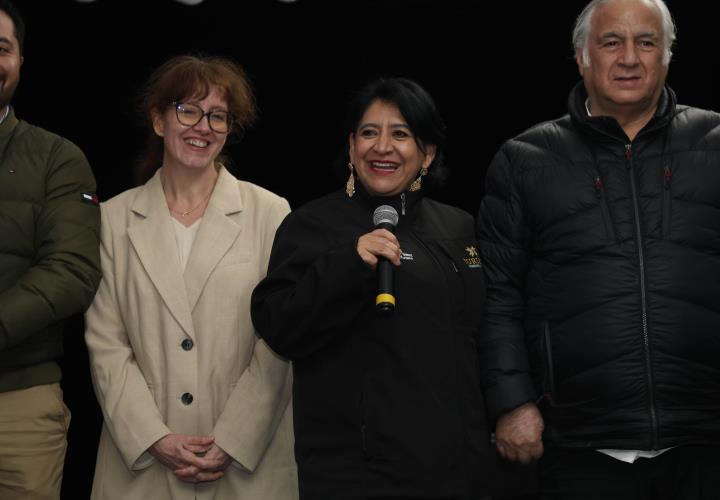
point(598, 187)
point(454, 266)
point(402, 203)
point(667, 175)
point(628, 152)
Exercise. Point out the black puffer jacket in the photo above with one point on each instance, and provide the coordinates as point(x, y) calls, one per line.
point(603, 259)
point(383, 407)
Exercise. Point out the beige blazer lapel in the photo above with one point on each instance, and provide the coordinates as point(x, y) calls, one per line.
point(153, 238)
point(216, 234)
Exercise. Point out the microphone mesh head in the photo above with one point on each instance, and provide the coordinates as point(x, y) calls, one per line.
point(385, 214)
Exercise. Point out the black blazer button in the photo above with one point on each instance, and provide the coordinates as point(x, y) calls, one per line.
point(187, 344)
point(187, 398)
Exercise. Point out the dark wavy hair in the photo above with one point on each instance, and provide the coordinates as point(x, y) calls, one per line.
point(8, 8)
point(417, 108)
point(192, 76)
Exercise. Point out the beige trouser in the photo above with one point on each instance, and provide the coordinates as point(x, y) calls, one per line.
point(33, 429)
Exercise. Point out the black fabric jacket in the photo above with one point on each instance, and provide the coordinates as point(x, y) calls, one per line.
point(383, 407)
point(603, 263)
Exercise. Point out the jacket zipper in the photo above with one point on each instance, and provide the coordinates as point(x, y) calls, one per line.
point(667, 197)
point(448, 308)
point(643, 296)
point(600, 195)
point(363, 436)
point(363, 427)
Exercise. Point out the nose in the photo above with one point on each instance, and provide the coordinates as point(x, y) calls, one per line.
point(384, 142)
point(203, 125)
point(629, 56)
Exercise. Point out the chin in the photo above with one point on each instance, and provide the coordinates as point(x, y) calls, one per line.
point(628, 97)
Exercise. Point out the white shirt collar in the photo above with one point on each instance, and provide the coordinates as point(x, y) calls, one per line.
point(5, 114)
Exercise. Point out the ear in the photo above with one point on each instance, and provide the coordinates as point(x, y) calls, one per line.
point(351, 146)
point(157, 122)
point(430, 151)
point(579, 61)
point(22, 60)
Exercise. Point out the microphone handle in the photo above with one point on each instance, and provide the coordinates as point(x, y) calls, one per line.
point(385, 299)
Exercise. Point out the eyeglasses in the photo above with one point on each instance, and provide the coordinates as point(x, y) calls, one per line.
point(191, 114)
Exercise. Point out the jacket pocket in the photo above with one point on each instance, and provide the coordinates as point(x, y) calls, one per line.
point(363, 427)
point(604, 209)
point(667, 199)
point(407, 427)
point(548, 371)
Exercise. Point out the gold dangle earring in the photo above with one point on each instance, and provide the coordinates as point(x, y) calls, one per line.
point(350, 184)
point(417, 183)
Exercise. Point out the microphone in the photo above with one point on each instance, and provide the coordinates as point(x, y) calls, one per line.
point(385, 217)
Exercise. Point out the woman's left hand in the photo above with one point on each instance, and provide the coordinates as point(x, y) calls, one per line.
point(215, 461)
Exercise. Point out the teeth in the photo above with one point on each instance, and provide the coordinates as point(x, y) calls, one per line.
point(378, 164)
point(197, 142)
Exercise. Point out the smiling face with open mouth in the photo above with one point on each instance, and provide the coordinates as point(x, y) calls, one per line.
point(384, 151)
point(195, 146)
point(625, 48)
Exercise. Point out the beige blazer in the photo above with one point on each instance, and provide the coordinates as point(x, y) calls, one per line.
point(157, 336)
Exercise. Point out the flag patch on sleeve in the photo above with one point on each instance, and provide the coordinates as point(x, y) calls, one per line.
point(90, 198)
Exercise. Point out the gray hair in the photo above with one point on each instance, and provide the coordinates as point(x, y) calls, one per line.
point(581, 31)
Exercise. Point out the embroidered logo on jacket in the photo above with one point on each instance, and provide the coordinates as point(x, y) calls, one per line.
point(473, 258)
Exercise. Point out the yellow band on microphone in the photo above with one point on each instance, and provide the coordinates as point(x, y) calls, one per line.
point(384, 298)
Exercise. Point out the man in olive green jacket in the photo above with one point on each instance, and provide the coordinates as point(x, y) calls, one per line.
point(49, 270)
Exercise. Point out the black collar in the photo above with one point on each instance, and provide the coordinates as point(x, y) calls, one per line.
point(406, 203)
point(608, 126)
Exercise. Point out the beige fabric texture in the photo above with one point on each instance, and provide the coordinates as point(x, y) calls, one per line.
point(33, 430)
point(147, 306)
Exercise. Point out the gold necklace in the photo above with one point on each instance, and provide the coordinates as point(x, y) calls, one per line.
point(185, 213)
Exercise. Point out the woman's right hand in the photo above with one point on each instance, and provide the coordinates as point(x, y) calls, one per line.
point(378, 243)
point(178, 451)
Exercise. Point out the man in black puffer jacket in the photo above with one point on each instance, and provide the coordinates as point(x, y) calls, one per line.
point(601, 240)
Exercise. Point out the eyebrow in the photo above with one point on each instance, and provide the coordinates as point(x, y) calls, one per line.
point(211, 110)
point(614, 34)
point(646, 34)
point(394, 125)
point(6, 40)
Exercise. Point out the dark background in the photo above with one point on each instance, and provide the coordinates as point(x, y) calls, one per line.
point(494, 68)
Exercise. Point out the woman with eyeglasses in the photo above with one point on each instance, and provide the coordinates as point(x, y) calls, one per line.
point(195, 406)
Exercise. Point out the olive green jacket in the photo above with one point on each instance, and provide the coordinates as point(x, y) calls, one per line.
point(49, 249)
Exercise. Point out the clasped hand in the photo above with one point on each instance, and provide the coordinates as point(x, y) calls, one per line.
point(518, 434)
point(193, 459)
